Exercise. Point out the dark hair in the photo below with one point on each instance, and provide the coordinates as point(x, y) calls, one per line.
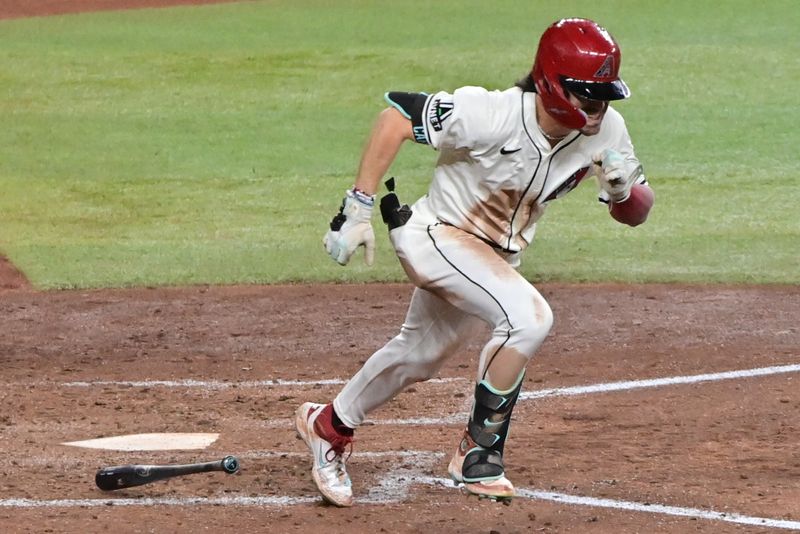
point(526, 84)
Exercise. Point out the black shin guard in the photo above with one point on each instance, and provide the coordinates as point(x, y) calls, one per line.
point(488, 429)
point(491, 415)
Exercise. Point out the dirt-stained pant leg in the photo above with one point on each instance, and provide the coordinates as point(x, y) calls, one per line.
point(460, 277)
point(474, 277)
point(432, 331)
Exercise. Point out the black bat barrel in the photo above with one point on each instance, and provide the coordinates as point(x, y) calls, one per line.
point(128, 476)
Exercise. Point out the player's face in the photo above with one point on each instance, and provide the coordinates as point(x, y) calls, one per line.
point(594, 109)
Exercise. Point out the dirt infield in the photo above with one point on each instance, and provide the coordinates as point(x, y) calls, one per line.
point(10, 276)
point(654, 408)
point(84, 364)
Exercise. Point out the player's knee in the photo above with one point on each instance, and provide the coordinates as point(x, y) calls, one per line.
point(533, 327)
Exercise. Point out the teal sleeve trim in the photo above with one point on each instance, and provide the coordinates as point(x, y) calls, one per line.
point(396, 106)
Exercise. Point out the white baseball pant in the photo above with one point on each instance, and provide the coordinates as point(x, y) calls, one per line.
point(459, 278)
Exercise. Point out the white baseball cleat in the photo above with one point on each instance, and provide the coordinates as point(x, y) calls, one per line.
point(313, 423)
point(481, 471)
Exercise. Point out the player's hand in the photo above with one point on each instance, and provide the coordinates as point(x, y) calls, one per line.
point(351, 228)
point(614, 175)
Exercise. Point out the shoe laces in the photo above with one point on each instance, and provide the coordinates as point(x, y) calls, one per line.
point(339, 443)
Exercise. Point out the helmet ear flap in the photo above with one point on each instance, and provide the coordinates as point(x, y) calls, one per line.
point(556, 102)
point(564, 112)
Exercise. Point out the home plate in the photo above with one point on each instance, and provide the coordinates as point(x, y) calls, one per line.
point(149, 442)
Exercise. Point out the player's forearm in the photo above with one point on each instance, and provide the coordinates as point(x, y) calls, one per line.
point(383, 144)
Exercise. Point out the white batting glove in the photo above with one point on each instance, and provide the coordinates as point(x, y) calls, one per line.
point(351, 229)
point(614, 174)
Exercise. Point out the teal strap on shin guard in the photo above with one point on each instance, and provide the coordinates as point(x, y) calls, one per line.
point(491, 414)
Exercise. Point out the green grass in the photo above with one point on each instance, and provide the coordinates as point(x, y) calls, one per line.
point(213, 144)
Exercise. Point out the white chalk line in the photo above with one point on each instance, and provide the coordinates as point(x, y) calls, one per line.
point(426, 455)
point(526, 395)
point(659, 382)
point(218, 384)
point(158, 501)
point(453, 419)
point(72, 462)
point(606, 387)
point(659, 509)
point(400, 480)
point(457, 418)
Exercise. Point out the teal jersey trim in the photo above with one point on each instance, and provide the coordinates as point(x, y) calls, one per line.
point(395, 105)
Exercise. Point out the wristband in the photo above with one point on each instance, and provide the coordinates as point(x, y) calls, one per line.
point(362, 197)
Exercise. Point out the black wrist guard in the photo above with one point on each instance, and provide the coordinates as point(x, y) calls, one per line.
point(394, 215)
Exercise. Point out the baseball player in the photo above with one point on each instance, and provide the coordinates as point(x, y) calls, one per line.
point(503, 156)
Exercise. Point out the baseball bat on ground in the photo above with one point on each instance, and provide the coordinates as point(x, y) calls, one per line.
point(128, 476)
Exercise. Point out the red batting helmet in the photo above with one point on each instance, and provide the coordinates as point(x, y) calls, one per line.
point(579, 56)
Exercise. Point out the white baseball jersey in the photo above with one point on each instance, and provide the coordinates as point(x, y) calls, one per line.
point(496, 171)
point(495, 174)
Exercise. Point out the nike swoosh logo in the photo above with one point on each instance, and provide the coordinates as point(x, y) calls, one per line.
point(506, 151)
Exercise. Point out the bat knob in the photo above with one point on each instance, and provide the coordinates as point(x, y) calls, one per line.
point(230, 464)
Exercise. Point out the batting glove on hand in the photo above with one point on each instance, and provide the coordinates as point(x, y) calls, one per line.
point(613, 173)
point(351, 228)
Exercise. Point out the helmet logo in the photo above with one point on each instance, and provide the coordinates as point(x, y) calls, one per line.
point(606, 69)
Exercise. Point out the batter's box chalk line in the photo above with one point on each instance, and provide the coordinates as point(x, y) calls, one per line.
point(525, 395)
point(660, 382)
point(219, 384)
point(606, 387)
